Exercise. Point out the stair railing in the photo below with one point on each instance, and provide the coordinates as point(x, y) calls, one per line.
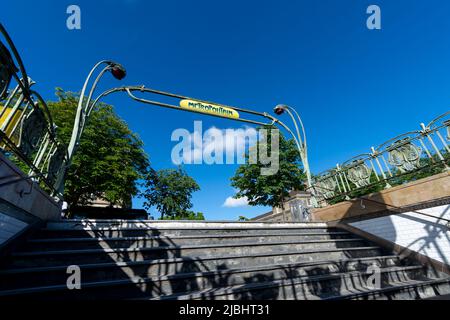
point(27, 130)
point(406, 157)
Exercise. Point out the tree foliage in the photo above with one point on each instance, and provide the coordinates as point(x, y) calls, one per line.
point(170, 191)
point(270, 190)
point(110, 159)
point(189, 215)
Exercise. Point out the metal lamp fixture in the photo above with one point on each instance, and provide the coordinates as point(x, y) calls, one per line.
point(300, 140)
point(84, 110)
point(279, 109)
point(118, 71)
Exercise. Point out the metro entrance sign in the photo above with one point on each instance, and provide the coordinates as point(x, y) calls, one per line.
point(207, 108)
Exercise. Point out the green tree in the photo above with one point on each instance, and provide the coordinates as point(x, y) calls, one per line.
point(189, 215)
point(110, 159)
point(270, 190)
point(170, 191)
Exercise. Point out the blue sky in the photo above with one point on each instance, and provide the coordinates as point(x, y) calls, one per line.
point(353, 87)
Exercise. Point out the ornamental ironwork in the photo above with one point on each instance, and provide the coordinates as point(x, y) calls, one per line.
point(325, 187)
point(359, 174)
point(7, 69)
point(32, 131)
point(447, 125)
point(404, 155)
point(27, 131)
point(55, 164)
point(386, 165)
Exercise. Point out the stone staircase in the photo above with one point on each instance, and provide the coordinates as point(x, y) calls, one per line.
point(209, 260)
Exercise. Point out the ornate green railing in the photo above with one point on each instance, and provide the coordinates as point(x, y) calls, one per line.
point(27, 131)
point(404, 158)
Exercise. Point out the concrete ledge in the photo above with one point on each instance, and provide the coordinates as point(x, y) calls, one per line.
point(269, 217)
point(23, 206)
point(25, 194)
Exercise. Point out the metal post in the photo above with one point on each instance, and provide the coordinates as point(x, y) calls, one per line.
point(425, 132)
point(81, 116)
point(375, 156)
point(301, 144)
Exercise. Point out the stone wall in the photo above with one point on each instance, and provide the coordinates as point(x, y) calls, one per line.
point(9, 227)
point(411, 219)
point(426, 235)
point(278, 214)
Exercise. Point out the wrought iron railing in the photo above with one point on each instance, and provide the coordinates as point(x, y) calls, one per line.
point(405, 157)
point(27, 131)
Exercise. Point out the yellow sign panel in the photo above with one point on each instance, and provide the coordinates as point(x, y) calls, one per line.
point(12, 122)
point(209, 109)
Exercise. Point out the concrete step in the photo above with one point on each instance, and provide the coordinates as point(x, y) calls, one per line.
point(139, 259)
point(156, 241)
point(206, 263)
point(183, 271)
point(415, 289)
point(268, 279)
point(317, 287)
point(324, 287)
point(167, 250)
point(119, 231)
point(278, 252)
point(81, 224)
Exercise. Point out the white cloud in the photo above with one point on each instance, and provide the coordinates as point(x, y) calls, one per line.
point(228, 145)
point(230, 202)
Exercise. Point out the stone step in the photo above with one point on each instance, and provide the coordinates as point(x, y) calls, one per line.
point(313, 288)
point(408, 290)
point(156, 241)
point(277, 252)
point(184, 271)
point(81, 224)
point(104, 232)
point(208, 262)
point(259, 283)
point(139, 259)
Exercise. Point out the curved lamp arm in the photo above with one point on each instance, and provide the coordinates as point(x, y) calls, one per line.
point(305, 145)
point(83, 111)
point(84, 105)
